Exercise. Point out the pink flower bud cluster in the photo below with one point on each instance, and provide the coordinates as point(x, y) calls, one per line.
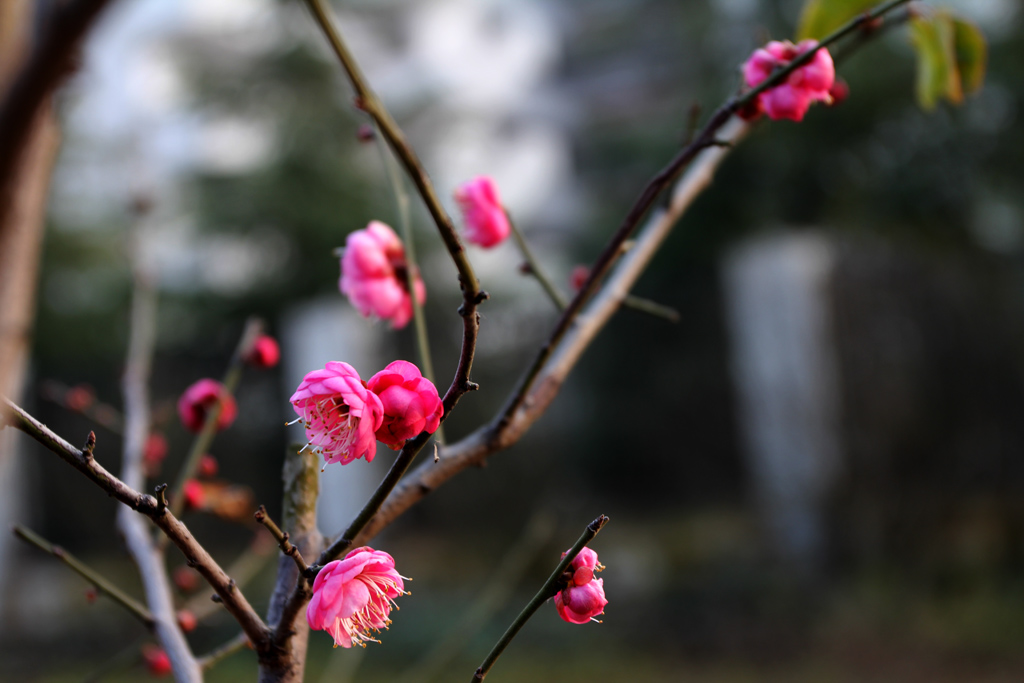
point(373, 275)
point(344, 417)
point(582, 599)
point(792, 98)
point(353, 597)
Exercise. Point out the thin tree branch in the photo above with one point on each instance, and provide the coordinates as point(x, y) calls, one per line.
point(140, 543)
point(472, 295)
point(545, 593)
point(214, 657)
point(419, 319)
point(102, 585)
point(534, 267)
point(282, 539)
point(708, 137)
point(196, 554)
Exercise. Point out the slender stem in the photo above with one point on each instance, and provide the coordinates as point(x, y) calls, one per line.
point(419, 318)
point(638, 303)
point(535, 270)
point(102, 585)
point(472, 295)
point(398, 468)
point(201, 444)
point(215, 656)
point(706, 138)
point(635, 302)
point(141, 545)
point(549, 588)
point(282, 539)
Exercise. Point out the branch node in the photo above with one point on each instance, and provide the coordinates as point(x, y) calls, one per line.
point(216, 598)
point(481, 297)
point(90, 444)
point(161, 499)
point(471, 386)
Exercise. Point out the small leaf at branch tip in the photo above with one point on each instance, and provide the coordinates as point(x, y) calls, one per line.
point(437, 457)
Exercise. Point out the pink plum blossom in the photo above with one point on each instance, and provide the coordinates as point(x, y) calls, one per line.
point(197, 401)
point(373, 275)
point(411, 403)
point(340, 414)
point(582, 598)
point(354, 596)
point(792, 98)
point(486, 222)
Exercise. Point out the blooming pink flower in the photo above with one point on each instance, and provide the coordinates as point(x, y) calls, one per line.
point(339, 412)
point(809, 83)
point(373, 272)
point(354, 596)
point(197, 401)
point(411, 404)
point(486, 222)
point(583, 598)
point(264, 352)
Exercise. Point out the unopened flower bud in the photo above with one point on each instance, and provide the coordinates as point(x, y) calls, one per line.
point(264, 353)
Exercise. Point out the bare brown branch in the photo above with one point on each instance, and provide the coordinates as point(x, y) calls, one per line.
point(195, 554)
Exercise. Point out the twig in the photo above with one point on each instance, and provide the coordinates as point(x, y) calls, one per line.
point(708, 137)
point(213, 657)
point(146, 505)
point(201, 444)
point(282, 539)
point(102, 585)
point(638, 303)
point(535, 270)
point(549, 588)
point(472, 295)
point(141, 546)
point(419, 319)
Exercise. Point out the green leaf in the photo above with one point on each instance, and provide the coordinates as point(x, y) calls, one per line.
point(934, 40)
point(821, 17)
point(971, 54)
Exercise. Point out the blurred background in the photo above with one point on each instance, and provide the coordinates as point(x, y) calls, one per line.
point(816, 475)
